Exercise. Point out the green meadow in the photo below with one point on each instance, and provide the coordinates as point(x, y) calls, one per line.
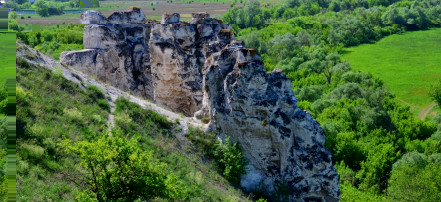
point(408, 64)
point(7, 56)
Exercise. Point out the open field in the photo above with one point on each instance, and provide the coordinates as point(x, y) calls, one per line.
point(7, 58)
point(408, 64)
point(214, 7)
point(108, 7)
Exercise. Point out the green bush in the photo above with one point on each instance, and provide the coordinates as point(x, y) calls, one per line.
point(96, 95)
point(117, 169)
point(140, 115)
point(30, 151)
point(43, 12)
point(227, 156)
point(94, 92)
point(413, 181)
point(104, 104)
point(73, 114)
point(231, 160)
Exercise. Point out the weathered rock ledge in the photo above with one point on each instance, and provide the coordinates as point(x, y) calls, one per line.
point(197, 68)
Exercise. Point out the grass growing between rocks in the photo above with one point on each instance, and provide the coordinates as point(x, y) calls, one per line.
point(408, 63)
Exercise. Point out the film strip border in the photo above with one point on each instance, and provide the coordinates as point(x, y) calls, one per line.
point(4, 19)
point(10, 119)
point(11, 158)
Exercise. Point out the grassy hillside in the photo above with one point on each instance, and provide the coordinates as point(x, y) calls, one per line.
point(408, 64)
point(54, 114)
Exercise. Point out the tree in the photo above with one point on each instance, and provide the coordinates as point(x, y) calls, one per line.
point(392, 16)
point(40, 4)
point(43, 12)
point(334, 6)
point(13, 25)
point(252, 40)
point(13, 15)
point(375, 170)
point(348, 150)
point(114, 168)
point(252, 10)
point(12, 5)
point(20, 1)
point(415, 178)
point(292, 3)
point(435, 92)
point(26, 5)
point(230, 160)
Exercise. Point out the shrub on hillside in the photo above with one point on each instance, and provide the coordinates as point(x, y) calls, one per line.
point(227, 155)
point(230, 159)
point(117, 169)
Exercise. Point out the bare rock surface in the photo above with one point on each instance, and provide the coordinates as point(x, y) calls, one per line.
point(284, 145)
point(133, 16)
point(93, 17)
point(198, 69)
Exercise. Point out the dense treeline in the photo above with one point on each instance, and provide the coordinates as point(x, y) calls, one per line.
point(45, 8)
point(370, 134)
point(379, 14)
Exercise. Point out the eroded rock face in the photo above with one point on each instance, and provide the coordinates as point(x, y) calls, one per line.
point(177, 61)
point(117, 54)
point(198, 69)
point(93, 17)
point(132, 16)
point(170, 18)
point(161, 62)
point(284, 145)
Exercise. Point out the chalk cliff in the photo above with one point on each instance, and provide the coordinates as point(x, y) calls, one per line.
point(200, 70)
